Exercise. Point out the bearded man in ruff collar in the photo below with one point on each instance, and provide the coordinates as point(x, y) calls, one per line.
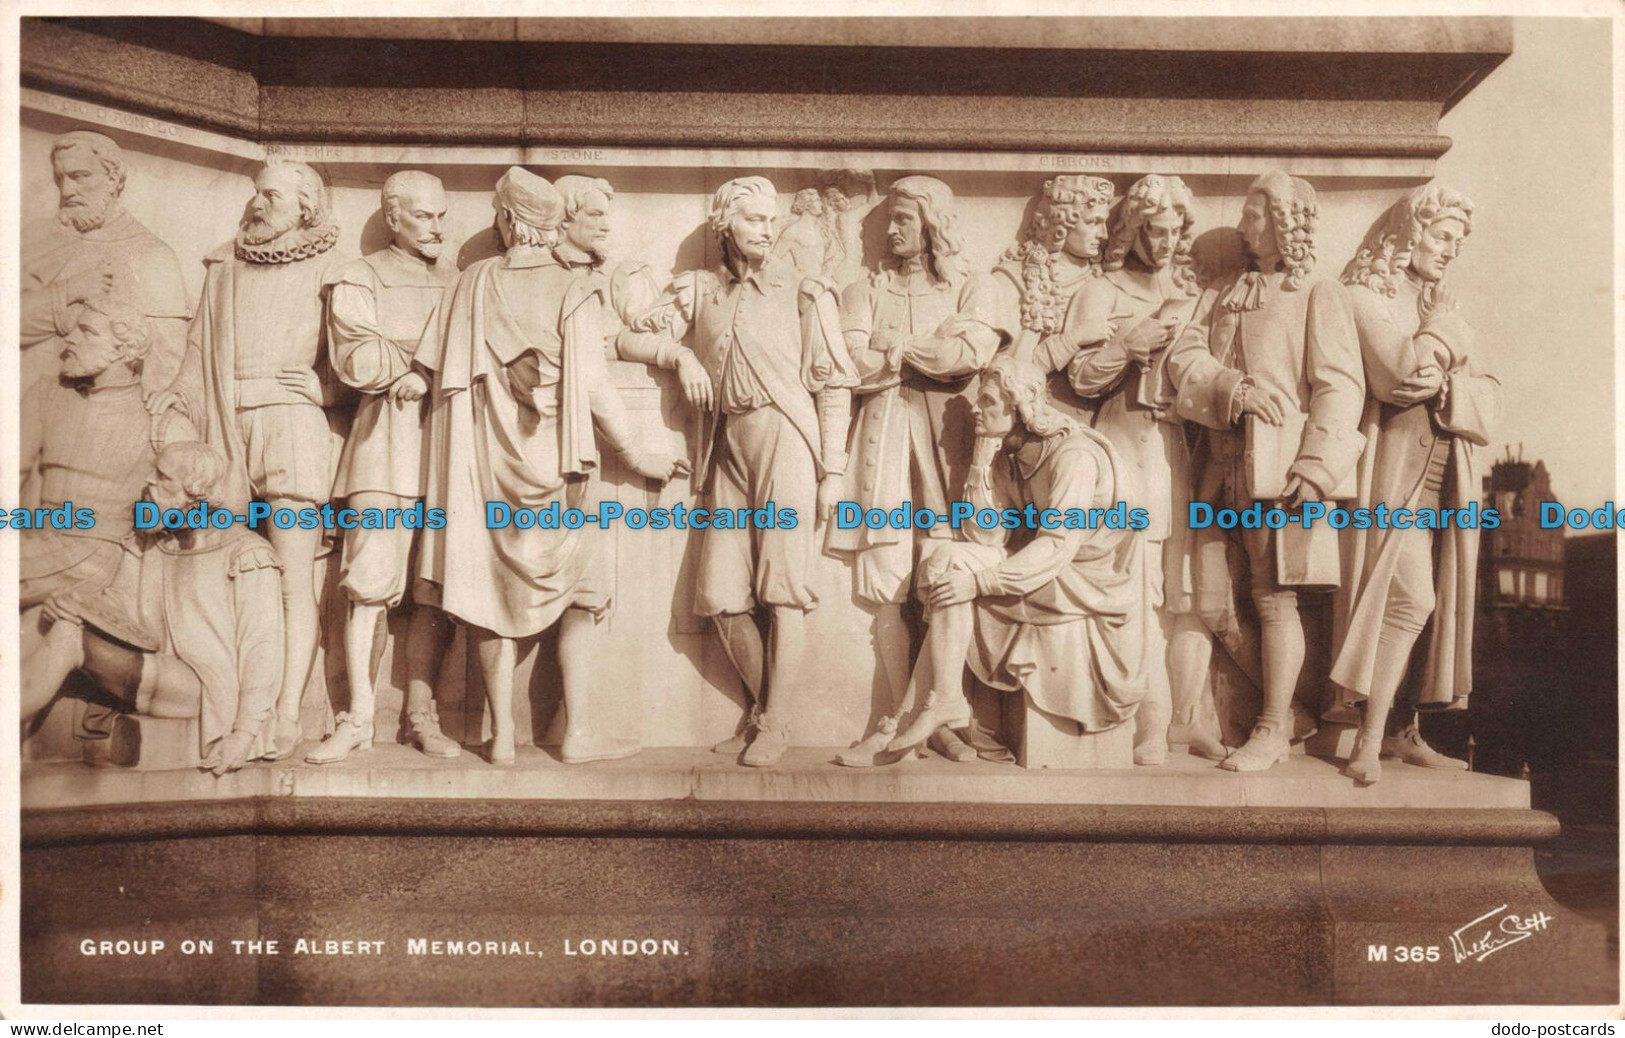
point(91, 246)
point(249, 383)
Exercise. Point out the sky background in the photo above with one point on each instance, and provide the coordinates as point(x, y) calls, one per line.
point(1534, 150)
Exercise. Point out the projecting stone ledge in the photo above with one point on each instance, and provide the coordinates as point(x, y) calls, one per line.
point(398, 772)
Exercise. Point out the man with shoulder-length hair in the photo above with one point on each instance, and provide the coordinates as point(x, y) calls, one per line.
point(1051, 615)
point(1113, 346)
point(1275, 345)
point(920, 329)
point(1430, 404)
point(253, 383)
point(774, 431)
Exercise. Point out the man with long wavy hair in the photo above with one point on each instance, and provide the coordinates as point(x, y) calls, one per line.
point(920, 329)
point(1430, 405)
point(1053, 614)
point(1113, 346)
point(1268, 343)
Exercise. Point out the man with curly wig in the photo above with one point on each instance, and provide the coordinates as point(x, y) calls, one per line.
point(1053, 613)
point(1113, 346)
point(920, 329)
point(1060, 253)
point(1268, 344)
point(1430, 404)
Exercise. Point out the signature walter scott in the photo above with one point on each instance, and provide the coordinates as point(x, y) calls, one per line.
point(1495, 930)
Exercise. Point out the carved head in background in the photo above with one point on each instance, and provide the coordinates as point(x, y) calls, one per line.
point(529, 210)
point(807, 201)
point(741, 215)
point(288, 196)
point(1154, 226)
point(1421, 233)
point(586, 213)
point(185, 474)
point(1072, 213)
point(1015, 391)
point(414, 204)
point(89, 172)
point(107, 333)
point(1278, 225)
point(921, 222)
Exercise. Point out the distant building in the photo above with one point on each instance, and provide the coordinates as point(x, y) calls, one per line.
point(1520, 564)
point(1545, 669)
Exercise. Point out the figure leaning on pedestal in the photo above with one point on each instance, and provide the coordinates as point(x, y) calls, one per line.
point(1113, 345)
point(1276, 347)
point(770, 341)
point(250, 385)
point(376, 314)
point(919, 330)
point(90, 247)
point(190, 628)
point(517, 353)
point(1053, 614)
point(1430, 404)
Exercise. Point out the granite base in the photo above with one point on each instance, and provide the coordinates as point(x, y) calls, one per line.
point(804, 886)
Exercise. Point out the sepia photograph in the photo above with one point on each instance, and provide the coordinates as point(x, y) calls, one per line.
point(755, 509)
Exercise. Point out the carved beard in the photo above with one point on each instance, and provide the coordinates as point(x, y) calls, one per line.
point(257, 230)
point(87, 212)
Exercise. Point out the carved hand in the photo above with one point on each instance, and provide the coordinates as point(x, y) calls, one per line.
point(829, 495)
point(1148, 337)
point(660, 466)
point(302, 381)
point(957, 587)
point(1422, 384)
point(1298, 490)
point(61, 609)
point(1267, 402)
point(696, 382)
point(165, 399)
point(230, 753)
point(409, 387)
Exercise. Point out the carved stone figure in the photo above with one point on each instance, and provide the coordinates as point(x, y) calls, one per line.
point(85, 440)
point(776, 432)
point(631, 293)
point(1055, 617)
point(1057, 255)
point(250, 384)
point(802, 241)
point(843, 222)
point(91, 246)
point(517, 352)
point(377, 311)
point(1430, 404)
point(919, 331)
point(1276, 346)
point(1113, 345)
point(190, 628)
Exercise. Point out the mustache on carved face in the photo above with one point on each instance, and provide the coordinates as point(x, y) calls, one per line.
point(257, 229)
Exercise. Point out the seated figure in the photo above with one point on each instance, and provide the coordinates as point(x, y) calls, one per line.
point(1054, 613)
point(191, 626)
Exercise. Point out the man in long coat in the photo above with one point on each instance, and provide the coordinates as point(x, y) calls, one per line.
point(1430, 405)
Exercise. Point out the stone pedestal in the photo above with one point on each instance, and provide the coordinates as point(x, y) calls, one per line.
point(928, 884)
